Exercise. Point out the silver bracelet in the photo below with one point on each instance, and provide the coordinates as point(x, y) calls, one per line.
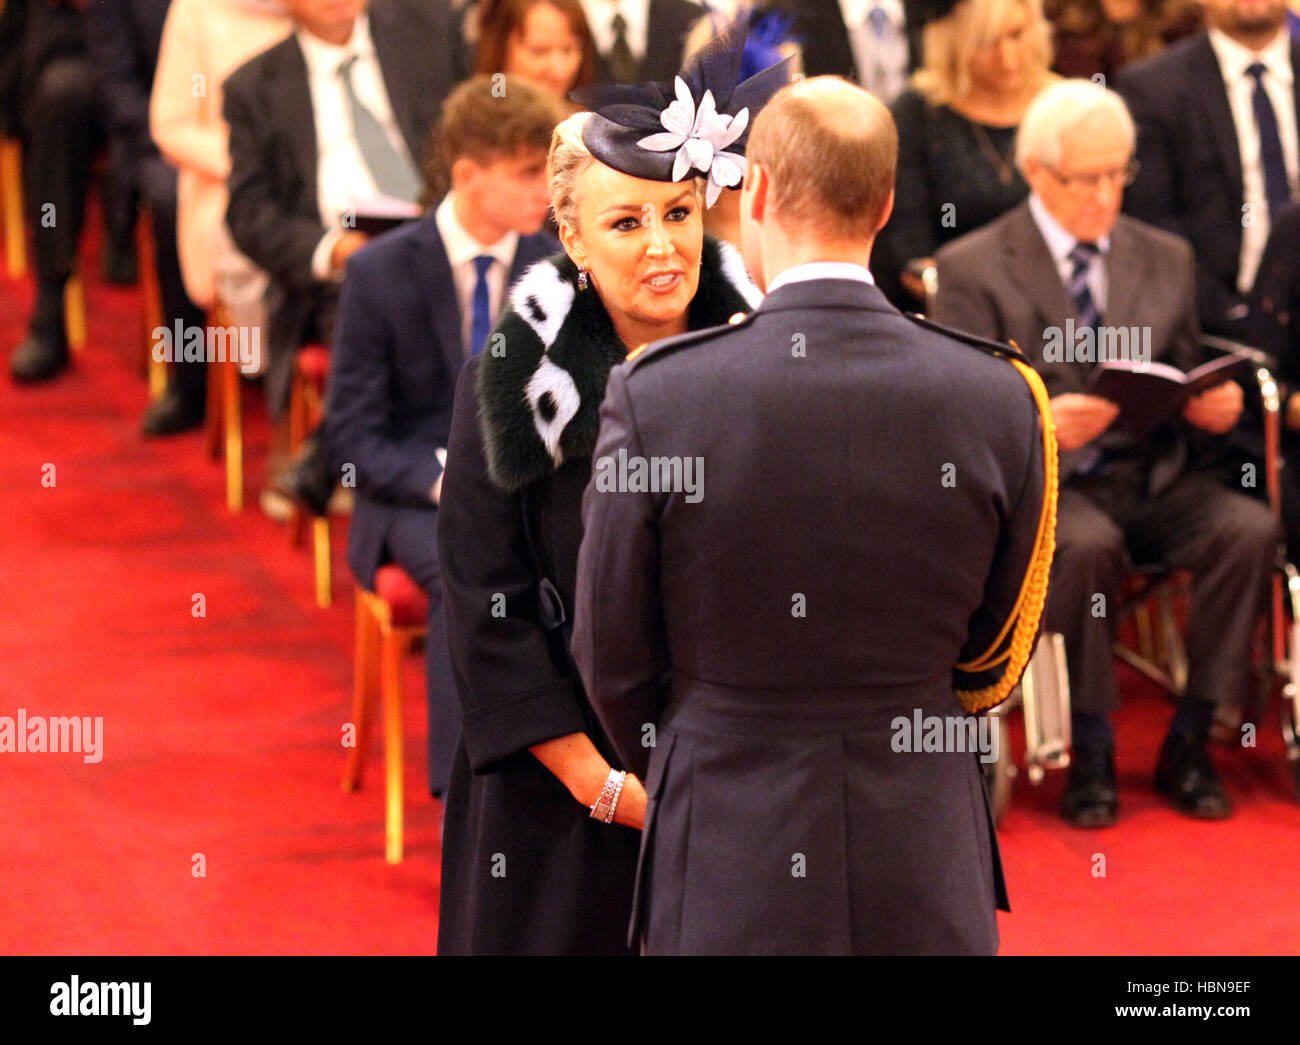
point(603, 808)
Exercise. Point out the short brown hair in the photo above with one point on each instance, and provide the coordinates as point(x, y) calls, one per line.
point(485, 118)
point(831, 151)
point(499, 20)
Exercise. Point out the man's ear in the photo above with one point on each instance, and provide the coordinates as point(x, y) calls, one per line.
point(755, 195)
point(886, 211)
point(463, 171)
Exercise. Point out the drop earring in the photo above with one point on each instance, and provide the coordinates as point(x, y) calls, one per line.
point(582, 279)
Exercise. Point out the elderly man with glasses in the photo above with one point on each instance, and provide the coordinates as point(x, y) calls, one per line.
point(1068, 278)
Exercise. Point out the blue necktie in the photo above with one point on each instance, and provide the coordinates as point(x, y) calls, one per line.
point(1082, 256)
point(879, 21)
point(1276, 188)
point(481, 326)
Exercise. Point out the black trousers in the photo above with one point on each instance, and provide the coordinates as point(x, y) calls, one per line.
point(412, 544)
point(1227, 539)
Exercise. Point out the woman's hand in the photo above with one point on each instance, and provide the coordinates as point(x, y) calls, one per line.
point(583, 770)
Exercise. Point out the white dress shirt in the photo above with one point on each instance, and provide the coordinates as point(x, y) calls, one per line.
point(811, 270)
point(342, 176)
point(600, 17)
point(881, 60)
point(462, 248)
point(1277, 80)
point(1060, 243)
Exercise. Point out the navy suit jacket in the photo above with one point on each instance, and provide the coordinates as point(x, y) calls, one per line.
point(396, 357)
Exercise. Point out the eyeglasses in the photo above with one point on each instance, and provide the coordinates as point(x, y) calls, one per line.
point(1088, 183)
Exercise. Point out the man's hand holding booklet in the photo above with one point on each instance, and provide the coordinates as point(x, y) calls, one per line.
point(1149, 394)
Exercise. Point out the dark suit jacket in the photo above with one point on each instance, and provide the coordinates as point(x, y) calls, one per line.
point(825, 583)
point(1001, 282)
point(819, 28)
point(124, 37)
point(668, 23)
point(396, 358)
point(1190, 180)
point(273, 214)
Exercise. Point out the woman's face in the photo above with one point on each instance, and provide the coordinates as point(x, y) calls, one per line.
point(546, 50)
point(640, 242)
point(998, 64)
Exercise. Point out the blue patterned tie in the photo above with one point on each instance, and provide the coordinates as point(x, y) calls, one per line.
point(394, 176)
point(481, 326)
point(1082, 256)
point(879, 21)
point(1276, 188)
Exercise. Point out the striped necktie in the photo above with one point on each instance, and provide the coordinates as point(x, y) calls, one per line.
point(1082, 255)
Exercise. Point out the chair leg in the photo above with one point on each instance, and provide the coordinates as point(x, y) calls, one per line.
point(214, 412)
point(391, 683)
point(11, 208)
point(365, 669)
point(320, 531)
point(233, 423)
point(74, 312)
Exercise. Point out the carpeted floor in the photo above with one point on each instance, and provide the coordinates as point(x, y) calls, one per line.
point(222, 733)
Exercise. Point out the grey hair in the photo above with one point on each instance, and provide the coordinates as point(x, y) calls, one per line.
point(1060, 108)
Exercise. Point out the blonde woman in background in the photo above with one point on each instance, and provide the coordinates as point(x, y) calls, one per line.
point(984, 62)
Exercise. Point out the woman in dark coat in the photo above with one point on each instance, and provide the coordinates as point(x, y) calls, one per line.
point(529, 866)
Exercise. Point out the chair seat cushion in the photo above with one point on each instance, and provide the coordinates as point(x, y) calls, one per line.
point(408, 606)
point(313, 363)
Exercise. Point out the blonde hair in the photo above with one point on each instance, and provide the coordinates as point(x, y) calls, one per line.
point(567, 158)
point(951, 41)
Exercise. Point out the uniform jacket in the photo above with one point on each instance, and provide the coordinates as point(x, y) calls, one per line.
point(751, 652)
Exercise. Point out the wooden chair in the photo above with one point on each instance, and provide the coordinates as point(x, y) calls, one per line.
point(390, 621)
point(224, 420)
point(11, 207)
point(152, 297)
point(311, 369)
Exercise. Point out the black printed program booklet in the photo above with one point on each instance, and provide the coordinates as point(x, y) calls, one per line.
point(1149, 394)
point(377, 214)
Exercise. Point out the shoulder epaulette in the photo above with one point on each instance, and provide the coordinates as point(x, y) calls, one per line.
point(984, 344)
point(658, 349)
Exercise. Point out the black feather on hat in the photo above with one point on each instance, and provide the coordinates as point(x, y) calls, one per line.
point(697, 126)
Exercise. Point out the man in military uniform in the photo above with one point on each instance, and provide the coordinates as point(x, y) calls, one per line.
point(863, 545)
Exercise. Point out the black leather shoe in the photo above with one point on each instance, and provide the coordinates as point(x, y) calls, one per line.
point(1185, 775)
point(41, 357)
point(1091, 798)
point(309, 478)
point(172, 414)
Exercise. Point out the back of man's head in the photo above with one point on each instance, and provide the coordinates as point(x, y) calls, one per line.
point(830, 150)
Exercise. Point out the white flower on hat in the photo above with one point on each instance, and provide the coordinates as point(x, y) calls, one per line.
point(699, 136)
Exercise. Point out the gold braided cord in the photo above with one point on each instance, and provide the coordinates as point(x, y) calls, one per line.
point(1028, 610)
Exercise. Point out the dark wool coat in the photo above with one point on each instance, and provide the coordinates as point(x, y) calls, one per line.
point(525, 870)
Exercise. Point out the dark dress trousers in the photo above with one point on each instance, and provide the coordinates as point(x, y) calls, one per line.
point(273, 213)
point(1190, 177)
point(396, 357)
point(748, 652)
point(1154, 500)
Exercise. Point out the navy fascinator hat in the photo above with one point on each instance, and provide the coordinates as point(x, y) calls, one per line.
point(696, 127)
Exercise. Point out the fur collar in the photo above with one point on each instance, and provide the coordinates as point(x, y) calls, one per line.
point(539, 395)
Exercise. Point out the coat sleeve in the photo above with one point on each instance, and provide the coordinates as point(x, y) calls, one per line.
point(360, 395)
point(1014, 552)
point(262, 225)
point(176, 114)
point(618, 635)
point(512, 695)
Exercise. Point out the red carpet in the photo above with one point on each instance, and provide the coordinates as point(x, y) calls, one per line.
point(222, 733)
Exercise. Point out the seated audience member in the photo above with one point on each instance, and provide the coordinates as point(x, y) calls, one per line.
point(1064, 261)
point(1276, 313)
point(767, 43)
point(415, 305)
point(333, 115)
point(204, 41)
point(1097, 37)
point(984, 62)
point(124, 38)
point(545, 41)
point(1217, 142)
point(876, 43)
point(638, 41)
point(58, 118)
